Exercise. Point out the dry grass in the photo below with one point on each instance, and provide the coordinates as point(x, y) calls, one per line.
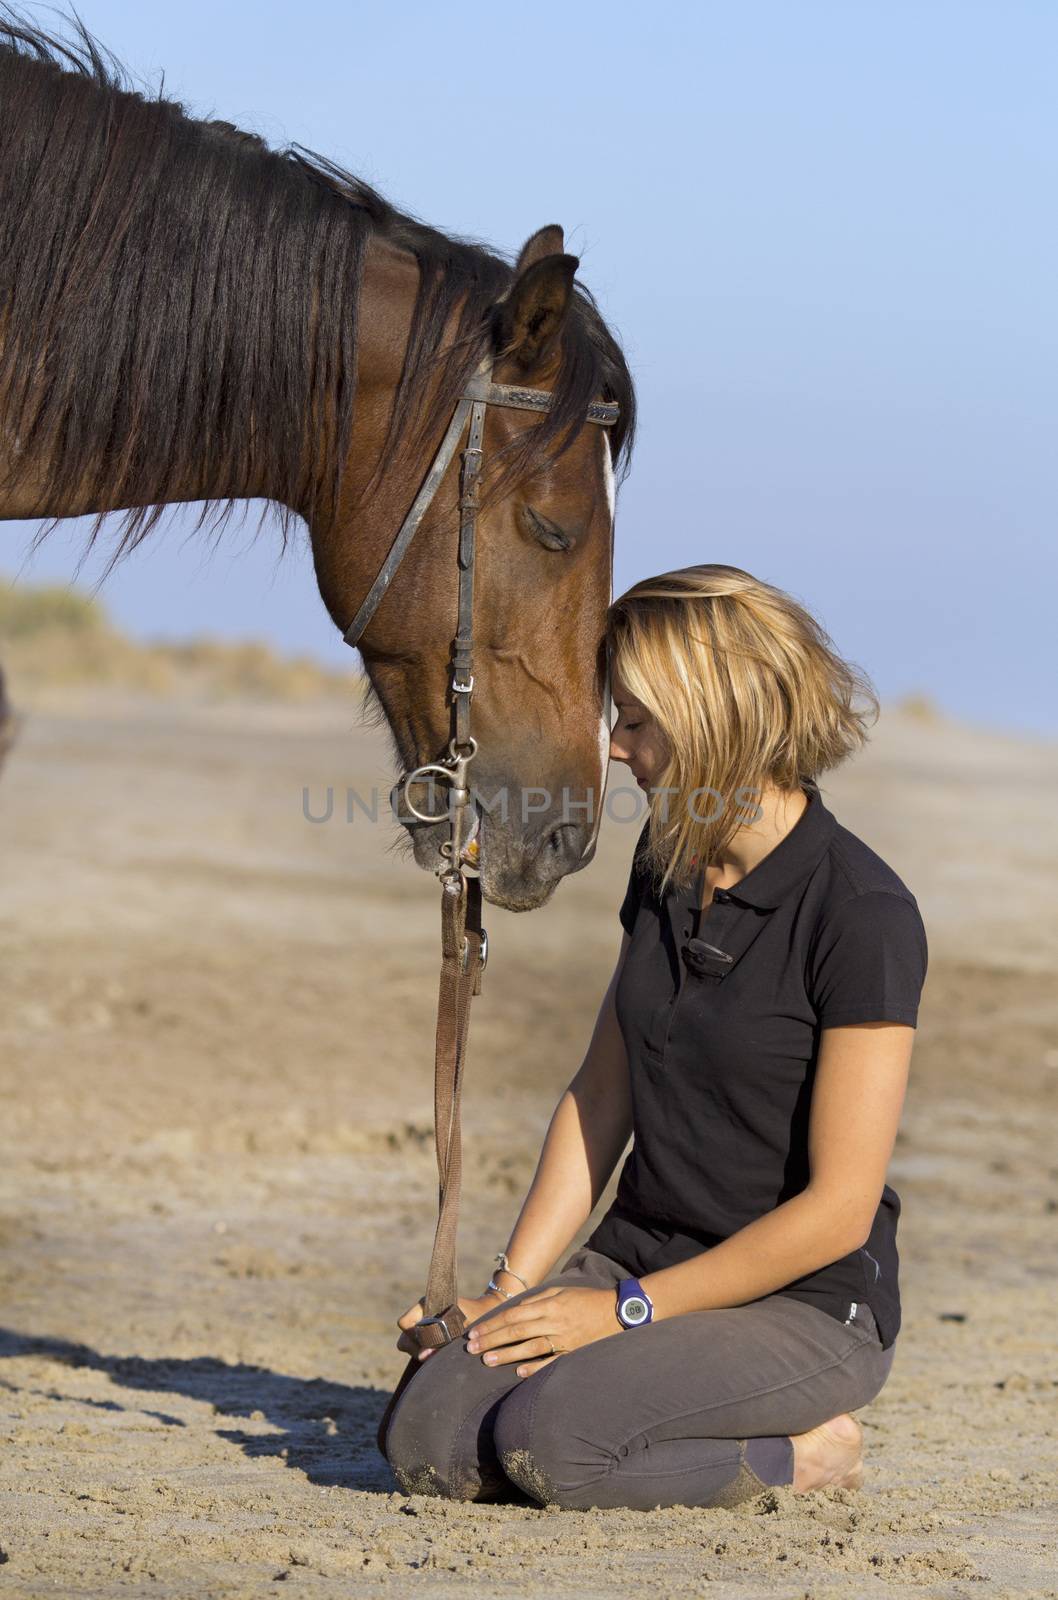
point(920, 707)
point(54, 637)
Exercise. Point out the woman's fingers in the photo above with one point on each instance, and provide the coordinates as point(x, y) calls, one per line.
point(525, 1369)
point(505, 1329)
point(527, 1350)
point(408, 1321)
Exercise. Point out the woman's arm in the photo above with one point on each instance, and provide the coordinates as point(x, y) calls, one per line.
point(590, 1127)
point(861, 1078)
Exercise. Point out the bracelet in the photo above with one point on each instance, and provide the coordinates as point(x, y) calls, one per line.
point(494, 1285)
point(504, 1265)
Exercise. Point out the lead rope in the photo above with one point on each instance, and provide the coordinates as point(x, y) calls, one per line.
point(462, 941)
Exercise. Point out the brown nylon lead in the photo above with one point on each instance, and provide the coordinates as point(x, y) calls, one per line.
point(460, 980)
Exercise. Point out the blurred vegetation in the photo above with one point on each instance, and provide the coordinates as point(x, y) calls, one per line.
point(27, 609)
point(920, 707)
point(53, 636)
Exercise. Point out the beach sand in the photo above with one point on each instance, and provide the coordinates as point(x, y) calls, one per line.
point(218, 1188)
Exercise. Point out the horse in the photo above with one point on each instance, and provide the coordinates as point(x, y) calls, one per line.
point(189, 315)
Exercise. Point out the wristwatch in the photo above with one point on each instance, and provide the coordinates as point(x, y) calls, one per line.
point(634, 1305)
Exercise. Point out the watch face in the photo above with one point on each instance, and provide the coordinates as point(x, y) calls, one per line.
point(634, 1309)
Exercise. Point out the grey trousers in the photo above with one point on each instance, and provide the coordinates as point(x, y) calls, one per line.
point(696, 1410)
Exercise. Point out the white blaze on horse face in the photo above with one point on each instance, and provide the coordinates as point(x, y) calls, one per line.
point(604, 721)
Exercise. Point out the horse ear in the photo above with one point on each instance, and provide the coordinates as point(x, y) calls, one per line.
point(531, 314)
point(548, 241)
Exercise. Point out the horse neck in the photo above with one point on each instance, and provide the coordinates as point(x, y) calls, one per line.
point(350, 546)
point(28, 486)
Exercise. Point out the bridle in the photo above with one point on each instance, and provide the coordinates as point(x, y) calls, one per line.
point(464, 942)
point(479, 393)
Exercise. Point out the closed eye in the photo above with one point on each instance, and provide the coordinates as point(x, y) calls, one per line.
point(546, 532)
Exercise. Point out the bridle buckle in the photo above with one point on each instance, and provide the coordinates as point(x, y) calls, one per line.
point(483, 954)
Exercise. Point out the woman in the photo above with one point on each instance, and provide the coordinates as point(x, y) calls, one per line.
point(739, 1299)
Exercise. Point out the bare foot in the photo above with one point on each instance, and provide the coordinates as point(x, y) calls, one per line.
point(829, 1454)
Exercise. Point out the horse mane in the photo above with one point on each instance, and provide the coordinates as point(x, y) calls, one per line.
point(179, 303)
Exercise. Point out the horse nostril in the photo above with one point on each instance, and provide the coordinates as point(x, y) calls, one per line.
point(563, 842)
point(563, 838)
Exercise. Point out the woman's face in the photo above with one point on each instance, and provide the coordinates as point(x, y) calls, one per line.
point(636, 737)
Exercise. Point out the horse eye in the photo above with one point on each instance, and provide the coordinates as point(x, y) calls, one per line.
point(546, 532)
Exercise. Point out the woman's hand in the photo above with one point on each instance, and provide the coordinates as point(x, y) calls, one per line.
point(563, 1318)
point(471, 1308)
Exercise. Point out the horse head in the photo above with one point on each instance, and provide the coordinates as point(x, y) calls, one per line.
point(542, 578)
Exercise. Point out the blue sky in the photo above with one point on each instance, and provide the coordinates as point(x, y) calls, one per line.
point(825, 234)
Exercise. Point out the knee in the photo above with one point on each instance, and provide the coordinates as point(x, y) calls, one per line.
point(423, 1443)
point(540, 1446)
point(432, 1439)
point(417, 1473)
point(429, 1465)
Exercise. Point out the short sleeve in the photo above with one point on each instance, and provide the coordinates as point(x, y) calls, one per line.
point(634, 893)
point(870, 963)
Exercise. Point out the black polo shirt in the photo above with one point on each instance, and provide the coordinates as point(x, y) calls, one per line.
point(721, 1014)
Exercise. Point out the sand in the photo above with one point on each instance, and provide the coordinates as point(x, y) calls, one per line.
point(218, 1189)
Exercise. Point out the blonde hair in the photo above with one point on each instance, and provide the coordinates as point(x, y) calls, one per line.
point(748, 691)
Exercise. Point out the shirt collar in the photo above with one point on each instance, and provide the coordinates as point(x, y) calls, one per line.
point(792, 860)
